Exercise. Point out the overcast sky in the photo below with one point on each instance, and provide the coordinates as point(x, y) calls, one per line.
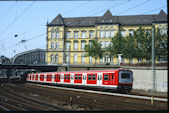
point(27, 19)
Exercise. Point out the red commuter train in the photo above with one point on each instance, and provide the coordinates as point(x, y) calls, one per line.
point(115, 79)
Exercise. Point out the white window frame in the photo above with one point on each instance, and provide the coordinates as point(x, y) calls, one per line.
point(52, 45)
point(101, 34)
point(57, 45)
point(76, 34)
point(83, 43)
point(83, 58)
point(57, 34)
point(83, 34)
point(91, 34)
point(52, 34)
point(123, 33)
point(68, 33)
point(75, 45)
point(75, 58)
point(112, 34)
point(107, 34)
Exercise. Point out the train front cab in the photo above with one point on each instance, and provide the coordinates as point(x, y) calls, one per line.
point(125, 80)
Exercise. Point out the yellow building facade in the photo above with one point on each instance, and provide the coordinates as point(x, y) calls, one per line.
point(63, 33)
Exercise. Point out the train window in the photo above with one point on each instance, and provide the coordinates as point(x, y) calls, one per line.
point(76, 77)
point(106, 77)
point(112, 76)
point(59, 76)
point(55, 76)
point(125, 75)
point(68, 77)
point(94, 77)
point(65, 76)
point(80, 77)
point(89, 77)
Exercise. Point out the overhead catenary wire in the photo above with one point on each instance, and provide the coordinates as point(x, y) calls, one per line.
point(135, 6)
point(5, 30)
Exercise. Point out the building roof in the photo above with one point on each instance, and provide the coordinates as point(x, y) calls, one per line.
point(108, 18)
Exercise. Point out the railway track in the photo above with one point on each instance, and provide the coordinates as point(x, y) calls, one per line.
point(82, 100)
point(12, 100)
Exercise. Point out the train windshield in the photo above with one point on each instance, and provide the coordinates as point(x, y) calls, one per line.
point(125, 75)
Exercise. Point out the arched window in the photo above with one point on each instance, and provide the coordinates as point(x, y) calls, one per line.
point(83, 43)
point(56, 58)
point(75, 58)
point(57, 34)
point(76, 33)
point(83, 58)
point(68, 35)
point(75, 45)
point(131, 32)
point(91, 34)
point(83, 34)
point(52, 58)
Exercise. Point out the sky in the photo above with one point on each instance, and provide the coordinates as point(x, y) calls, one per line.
point(23, 23)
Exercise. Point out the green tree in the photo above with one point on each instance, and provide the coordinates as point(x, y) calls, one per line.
point(129, 50)
point(94, 50)
point(117, 45)
point(160, 45)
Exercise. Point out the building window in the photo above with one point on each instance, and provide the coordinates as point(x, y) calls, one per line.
point(76, 33)
point(75, 46)
point(107, 44)
point(83, 58)
point(123, 33)
point(91, 34)
point(52, 45)
point(83, 34)
point(52, 34)
point(57, 45)
point(75, 58)
point(67, 58)
point(83, 43)
point(111, 34)
point(68, 35)
point(148, 31)
point(107, 34)
point(131, 32)
point(102, 44)
point(106, 58)
point(163, 31)
point(101, 34)
point(111, 59)
point(67, 45)
point(90, 59)
point(52, 59)
point(101, 60)
point(56, 58)
point(57, 35)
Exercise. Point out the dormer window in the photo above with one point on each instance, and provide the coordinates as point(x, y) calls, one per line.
point(138, 20)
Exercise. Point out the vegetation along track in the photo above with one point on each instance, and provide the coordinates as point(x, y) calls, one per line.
point(83, 101)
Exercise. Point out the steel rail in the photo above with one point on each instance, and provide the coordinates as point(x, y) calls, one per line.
point(106, 93)
point(4, 108)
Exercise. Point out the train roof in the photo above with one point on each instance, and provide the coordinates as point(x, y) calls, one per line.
point(83, 71)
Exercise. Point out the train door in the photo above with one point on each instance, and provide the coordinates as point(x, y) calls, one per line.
point(99, 79)
point(62, 77)
point(112, 78)
point(72, 78)
point(37, 77)
point(84, 78)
